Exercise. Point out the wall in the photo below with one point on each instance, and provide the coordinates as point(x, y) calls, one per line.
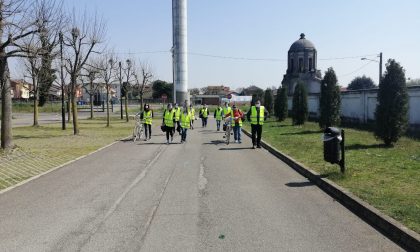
point(359, 106)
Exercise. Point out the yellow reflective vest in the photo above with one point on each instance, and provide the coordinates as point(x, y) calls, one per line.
point(169, 118)
point(219, 114)
point(147, 117)
point(177, 114)
point(185, 120)
point(227, 111)
point(254, 115)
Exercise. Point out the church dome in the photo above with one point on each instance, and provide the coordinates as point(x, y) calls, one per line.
point(301, 44)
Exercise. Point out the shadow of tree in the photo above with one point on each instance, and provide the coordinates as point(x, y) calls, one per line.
point(300, 184)
point(366, 146)
point(306, 132)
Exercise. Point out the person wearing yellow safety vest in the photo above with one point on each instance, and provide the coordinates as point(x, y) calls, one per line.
point(169, 122)
point(177, 117)
point(237, 123)
point(192, 114)
point(256, 115)
point(204, 114)
point(185, 120)
point(147, 116)
point(218, 114)
point(227, 110)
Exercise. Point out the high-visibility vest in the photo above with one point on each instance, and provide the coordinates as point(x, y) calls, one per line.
point(177, 114)
point(227, 111)
point(205, 112)
point(147, 117)
point(254, 115)
point(192, 113)
point(185, 120)
point(169, 118)
point(219, 114)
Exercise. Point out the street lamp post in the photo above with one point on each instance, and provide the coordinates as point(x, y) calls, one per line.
point(121, 87)
point(380, 65)
point(63, 109)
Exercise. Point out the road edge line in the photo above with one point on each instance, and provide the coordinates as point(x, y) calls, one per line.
point(391, 228)
point(60, 166)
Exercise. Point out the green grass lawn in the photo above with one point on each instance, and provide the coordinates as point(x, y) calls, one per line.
point(42, 148)
point(387, 178)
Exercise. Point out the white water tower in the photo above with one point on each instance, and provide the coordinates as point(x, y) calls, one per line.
point(179, 51)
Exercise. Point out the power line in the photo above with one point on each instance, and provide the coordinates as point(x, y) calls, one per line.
point(358, 69)
point(243, 58)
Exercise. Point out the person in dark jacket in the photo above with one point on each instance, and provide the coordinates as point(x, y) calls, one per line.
point(256, 115)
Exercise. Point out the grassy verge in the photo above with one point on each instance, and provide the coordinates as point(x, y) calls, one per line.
point(387, 178)
point(43, 148)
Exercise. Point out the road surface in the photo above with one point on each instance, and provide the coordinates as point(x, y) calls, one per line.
point(199, 196)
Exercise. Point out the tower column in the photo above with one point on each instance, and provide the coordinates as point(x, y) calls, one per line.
point(179, 51)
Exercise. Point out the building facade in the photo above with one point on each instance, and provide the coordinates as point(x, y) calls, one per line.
point(302, 67)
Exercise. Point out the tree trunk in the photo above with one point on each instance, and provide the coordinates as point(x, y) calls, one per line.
point(36, 112)
point(107, 106)
point(91, 105)
point(6, 106)
point(36, 99)
point(126, 107)
point(69, 108)
point(74, 108)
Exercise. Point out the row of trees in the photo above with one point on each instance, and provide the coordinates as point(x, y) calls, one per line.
point(67, 50)
point(391, 111)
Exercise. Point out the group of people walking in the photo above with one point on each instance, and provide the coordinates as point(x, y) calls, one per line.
point(177, 119)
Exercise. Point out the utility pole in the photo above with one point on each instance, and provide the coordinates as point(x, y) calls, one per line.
point(121, 88)
point(380, 67)
point(63, 109)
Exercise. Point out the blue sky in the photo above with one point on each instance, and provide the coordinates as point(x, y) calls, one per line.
point(264, 29)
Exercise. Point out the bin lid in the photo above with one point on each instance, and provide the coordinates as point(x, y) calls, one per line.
point(332, 131)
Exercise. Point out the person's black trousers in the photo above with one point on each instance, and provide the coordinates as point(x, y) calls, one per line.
point(256, 131)
point(147, 129)
point(169, 131)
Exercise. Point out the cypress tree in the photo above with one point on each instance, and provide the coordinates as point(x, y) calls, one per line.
point(391, 112)
point(281, 106)
point(268, 100)
point(329, 101)
point(300, 104)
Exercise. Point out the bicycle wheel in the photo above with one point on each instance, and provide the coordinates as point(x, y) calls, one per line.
point(228, 135)
point(136, 133)
point(141, 131)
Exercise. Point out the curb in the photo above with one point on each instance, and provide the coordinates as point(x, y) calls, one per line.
point(60, 166)
point(388, 226)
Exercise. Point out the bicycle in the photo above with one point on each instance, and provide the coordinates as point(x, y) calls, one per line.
point(138, 130)
point(228, 123)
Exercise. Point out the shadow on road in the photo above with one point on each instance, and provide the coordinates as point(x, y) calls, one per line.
point(299, 184)
point(237, 148)
point(216, 142)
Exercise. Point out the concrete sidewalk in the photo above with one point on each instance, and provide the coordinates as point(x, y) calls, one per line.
point(203, 195)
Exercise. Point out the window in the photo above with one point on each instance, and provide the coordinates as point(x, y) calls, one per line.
point(310, 64)
point(300, 65)
point(291, 65)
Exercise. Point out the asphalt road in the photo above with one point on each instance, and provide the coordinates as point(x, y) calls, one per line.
point(203, 195)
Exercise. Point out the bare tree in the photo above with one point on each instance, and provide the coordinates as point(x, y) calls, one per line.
point(125, 75)
point(32, 67)
point(106, 68)
point(143, 77)
point(39, 49)
point(82, 39)
point(16, 23)
point(89, 85)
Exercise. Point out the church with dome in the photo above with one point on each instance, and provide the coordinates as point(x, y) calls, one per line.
point(302, 66)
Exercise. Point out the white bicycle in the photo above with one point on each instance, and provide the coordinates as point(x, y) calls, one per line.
point(228, 123)
point(138, 130)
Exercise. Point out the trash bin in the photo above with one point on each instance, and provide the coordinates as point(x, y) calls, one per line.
point(332, 145)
